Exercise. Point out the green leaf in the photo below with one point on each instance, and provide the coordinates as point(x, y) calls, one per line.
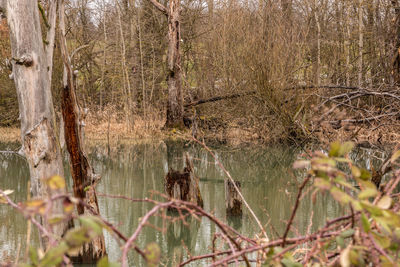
point(92, 223)
point(365, 174)
point(340, 180)
point(372, 209)
point(103, 262)
point(340, 196)
point(340, 241)
point(54, 219)
point(54, 256)
point(334, 151)
point(355, 171)
point(367, 193)
point(33, 256)
point(153, 254)
point(365, 223)
point(385, 202)
point(347, 233)
point(383, 241)
point(345, 148)
point(289, 263)
point(322, 184)
point(77, 237)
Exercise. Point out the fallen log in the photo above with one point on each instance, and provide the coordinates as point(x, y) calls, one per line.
point(184, 185)
point(217, 98)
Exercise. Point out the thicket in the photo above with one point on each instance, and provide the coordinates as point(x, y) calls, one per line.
point(368, 233)
point(296, 64)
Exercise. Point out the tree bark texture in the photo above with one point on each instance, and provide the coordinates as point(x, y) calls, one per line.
point(184, 185)
point(175, 97)
point(31, 78)
point(233, 202)
point(81, 171)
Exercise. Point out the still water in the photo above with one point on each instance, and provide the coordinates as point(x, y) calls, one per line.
point(137, 171)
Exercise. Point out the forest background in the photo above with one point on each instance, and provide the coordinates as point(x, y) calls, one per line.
point(286, 70)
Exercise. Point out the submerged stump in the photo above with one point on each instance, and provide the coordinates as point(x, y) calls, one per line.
point(233, 201)
point(184, 185)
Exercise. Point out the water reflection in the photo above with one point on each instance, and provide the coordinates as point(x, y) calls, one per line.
point(136, 171)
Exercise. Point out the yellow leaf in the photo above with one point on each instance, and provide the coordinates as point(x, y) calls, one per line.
point(395, 156)
point(56, 182)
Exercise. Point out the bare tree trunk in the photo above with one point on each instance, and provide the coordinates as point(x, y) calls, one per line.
point(317, 60)
point(396, 54)
point(31, 78)
point(102, 88)
point(142, 69)
point(125, 73)
point(82, 174)
point(360, 43)
point(175, 97)
point(347, 45)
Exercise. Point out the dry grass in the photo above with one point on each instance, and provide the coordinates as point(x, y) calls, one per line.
point(100, 127)
point(10, 134)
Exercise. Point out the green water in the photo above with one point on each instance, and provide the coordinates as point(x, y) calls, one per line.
point(268, 184)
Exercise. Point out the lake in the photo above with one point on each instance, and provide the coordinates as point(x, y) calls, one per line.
point(137, 171)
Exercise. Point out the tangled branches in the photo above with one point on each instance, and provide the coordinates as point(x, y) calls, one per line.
point(368, 233)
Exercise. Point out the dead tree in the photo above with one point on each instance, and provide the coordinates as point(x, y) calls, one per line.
point(184, 185)
point(84, 178)
point(30, 61)
point(233, 202)
point(175, 96)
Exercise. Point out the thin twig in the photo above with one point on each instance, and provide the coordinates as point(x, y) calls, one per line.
point(296, 205)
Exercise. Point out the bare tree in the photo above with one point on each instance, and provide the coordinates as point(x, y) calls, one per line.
point(32, 79)
point(175, 96)
point(82, 174)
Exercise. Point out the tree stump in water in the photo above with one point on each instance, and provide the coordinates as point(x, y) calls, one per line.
point(233, 202)
point(184, 185)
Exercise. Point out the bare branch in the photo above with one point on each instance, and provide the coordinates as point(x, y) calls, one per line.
point(159, 6)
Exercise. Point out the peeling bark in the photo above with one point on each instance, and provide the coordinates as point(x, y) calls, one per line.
point(84, 178)
point(34, 99)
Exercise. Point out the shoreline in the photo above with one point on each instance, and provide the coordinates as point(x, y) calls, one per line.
point(116, 133)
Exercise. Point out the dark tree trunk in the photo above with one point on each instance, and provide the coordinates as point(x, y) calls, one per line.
point(84, 179)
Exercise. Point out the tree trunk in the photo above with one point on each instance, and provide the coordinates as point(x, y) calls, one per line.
point(82, 174)
point(233, 202)
point(184, 185)
point(360, 43)
point(175, 97)
point(317, 49)
point(31, 78)
point(396, 54)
